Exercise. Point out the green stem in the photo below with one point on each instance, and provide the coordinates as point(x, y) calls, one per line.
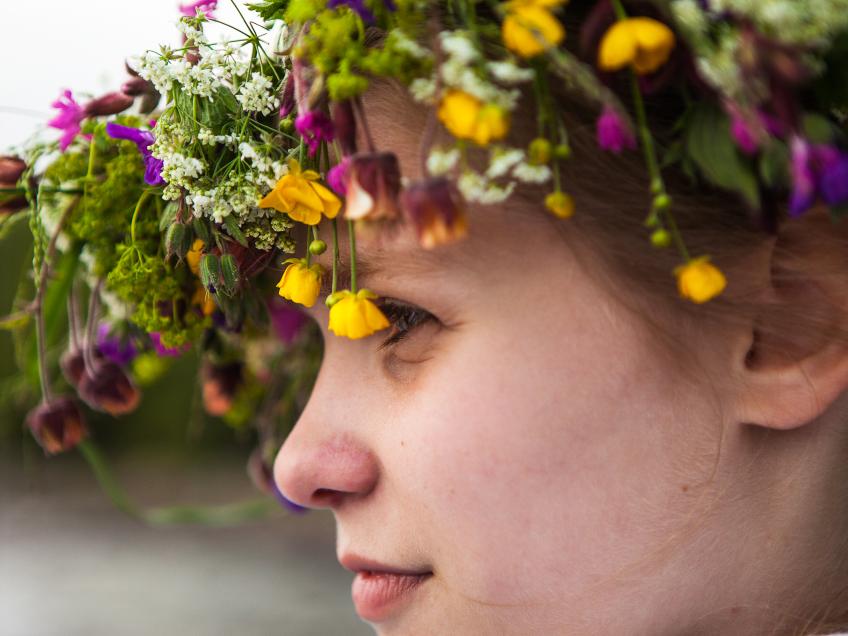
point(138, 205)
point(335, 255)
point(352, 233)
point(620, 13)
point(223, 515)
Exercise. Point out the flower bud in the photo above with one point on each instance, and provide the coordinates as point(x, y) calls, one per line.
point(344, 123)
point(11, 169)
point(136, 86)
point(539, 152)
point(373, 186)
point(221, 382)
point(108, 104)
point(109, 389)
point(72, 364)
point(317, 247)
point(58, 425)
point(436, 209)
point(287, 98)
point(660, 238)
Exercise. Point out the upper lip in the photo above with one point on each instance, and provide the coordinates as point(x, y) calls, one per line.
point(356, 563)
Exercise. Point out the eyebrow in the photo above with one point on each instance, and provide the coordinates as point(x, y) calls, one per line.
point(407, 263)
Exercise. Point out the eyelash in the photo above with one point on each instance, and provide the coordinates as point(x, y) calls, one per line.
point(404, 319)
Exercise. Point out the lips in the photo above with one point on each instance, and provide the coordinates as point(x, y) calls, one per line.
point(379, 590)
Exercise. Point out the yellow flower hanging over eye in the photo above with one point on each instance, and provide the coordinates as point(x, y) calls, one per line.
point(699, 280)
point(301, 283)
point(529, 27)
point(355, 316)
point(299, 195)
point(466, 117)
point(641, 42)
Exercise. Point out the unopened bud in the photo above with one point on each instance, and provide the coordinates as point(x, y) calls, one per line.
point(562, 151)
point(11, 169)
point(58, 425)
point(108, 104)
point(660, 238)
point(109, 389)
point(539, 152)
point(136, 86)
point(662, 201)
point(317, 247)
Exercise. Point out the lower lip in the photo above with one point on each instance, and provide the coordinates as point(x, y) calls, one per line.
point(377, 594)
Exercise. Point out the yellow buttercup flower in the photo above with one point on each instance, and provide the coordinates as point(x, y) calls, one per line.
point(466, 117)
point(355, 316)
point(301, 283)
point(529, 27)
point(204, 300)
point(641, 42)
point(194, 255)
point(560, 204)
point(699, 280)
point(299, 195)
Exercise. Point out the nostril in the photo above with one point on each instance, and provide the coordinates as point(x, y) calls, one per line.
point(326, 497)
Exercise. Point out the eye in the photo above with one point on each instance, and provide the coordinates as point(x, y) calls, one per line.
point(404, 319)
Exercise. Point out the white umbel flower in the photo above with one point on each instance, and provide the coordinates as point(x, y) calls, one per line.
point(440, 162)
point(531, 174)
point(255, 95)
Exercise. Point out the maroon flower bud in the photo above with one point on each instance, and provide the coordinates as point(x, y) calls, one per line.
point(344, 124)
point(108, 104)
point(436, 209)
point(72, 364)
point(11, 169)
point(109, 389)
point(373, 186)
point(220, 384)
point(287, 102)
point(57, 426)
point(136, 86)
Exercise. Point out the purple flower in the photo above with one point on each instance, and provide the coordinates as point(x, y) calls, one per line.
point(162, 350)
point(314, 126)
point(119, 350)
point(817, 170)
point(68, 120)
point(613, 133)
point(206, 7)
point(143, 139)
point(743, 134)
point(337, 177)
point(357, 6)
point(286, 321)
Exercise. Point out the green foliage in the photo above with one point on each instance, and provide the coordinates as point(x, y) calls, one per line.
point(269, 9)
point(710, 146)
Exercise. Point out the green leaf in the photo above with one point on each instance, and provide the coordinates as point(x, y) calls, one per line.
point(210, 272)
point(234, 230)
point(169, 215)
point(710, 145)
point(15, 321)
point(269, 9)
point(202, 231)
point(774, 162)
point(229, 274)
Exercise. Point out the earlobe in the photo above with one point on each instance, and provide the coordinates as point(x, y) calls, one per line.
point(796, 362)
point(793, 393)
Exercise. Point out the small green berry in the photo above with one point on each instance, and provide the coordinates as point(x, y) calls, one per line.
point(562, 151)
point(662, 201)
point(317, 247)
point(661, 238)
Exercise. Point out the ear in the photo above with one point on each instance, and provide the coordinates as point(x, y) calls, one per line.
point(796, 362)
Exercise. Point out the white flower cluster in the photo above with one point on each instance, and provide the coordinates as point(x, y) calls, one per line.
point(504, 163)
point(256, 95)
point(465, 69)
point(811, 22)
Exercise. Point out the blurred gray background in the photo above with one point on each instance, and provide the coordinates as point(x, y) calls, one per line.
point(70, 563)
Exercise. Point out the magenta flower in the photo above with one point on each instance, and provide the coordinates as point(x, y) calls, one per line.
point(613, 132)
point(314, 126)
point(743, 134)
point(338, 175)
point(286, 321)
point(818, 170)
point(206, 7)
point(143, 139)
point(162, 350)
point(68, 120)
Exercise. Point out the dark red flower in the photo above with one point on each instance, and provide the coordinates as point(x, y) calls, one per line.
point(373, 186)
point(108, 388)
point(436, 209)
point(58, 425)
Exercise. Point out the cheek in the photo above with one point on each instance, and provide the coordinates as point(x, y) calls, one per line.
point(533, 458)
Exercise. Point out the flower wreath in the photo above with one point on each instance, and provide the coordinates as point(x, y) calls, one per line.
point(172, 213)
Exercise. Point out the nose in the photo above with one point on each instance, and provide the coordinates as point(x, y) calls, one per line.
point(324, 471)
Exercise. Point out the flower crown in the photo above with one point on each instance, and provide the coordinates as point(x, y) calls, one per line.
point(175, 215)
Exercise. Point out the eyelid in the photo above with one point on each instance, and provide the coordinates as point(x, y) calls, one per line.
point(391, 306)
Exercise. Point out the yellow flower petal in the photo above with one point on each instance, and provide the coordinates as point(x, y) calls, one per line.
point(356, 316)
point(458, 112)
point(529, 28)
point(194, 255)
point(699, 280)
point(301, 284)
point(642, 42)
point(299, 195)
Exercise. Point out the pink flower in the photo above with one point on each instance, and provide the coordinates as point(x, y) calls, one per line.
point(206, 7)
point(613, 132)
point(68, 120)
point(337, 177)
point(314, 126)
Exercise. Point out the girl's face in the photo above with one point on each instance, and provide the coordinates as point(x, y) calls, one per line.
point(529, 445)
